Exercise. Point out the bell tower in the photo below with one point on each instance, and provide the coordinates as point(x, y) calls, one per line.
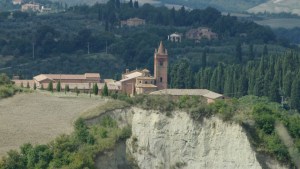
point(161, 67)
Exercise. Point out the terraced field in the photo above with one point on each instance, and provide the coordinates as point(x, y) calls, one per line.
point(39, 117)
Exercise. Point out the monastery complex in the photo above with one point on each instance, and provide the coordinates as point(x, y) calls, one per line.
point(132, 83)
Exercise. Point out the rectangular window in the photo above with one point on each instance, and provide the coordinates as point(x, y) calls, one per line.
point(160, 79)
point(161, 63)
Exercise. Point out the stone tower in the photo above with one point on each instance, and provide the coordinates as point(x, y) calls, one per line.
point(161, 67)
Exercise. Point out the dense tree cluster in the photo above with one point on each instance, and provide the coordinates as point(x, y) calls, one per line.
point(275, 76)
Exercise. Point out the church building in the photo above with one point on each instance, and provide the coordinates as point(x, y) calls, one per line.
point(141, 81)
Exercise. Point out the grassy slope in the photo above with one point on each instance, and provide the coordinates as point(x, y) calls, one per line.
point(38, 117)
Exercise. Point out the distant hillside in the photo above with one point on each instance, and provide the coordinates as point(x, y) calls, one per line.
point(228, 5)
point(278, 6)
point(92, 2)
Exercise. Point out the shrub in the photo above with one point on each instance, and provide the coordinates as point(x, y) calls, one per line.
point(103, 133)
point(125, 133)
point(109, 122)
point(200, 112)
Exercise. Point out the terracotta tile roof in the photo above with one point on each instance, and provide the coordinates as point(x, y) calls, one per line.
point(190, 92)
point(131, 76)
point(92, 75)
point(42, 77)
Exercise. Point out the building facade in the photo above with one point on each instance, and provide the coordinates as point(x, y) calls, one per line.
point(131, 22)
point(201, 33)
point(141, 81)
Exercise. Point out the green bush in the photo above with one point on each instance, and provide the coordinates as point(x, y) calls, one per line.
point(125, 133)
point(109, 122)
point(103, 133)
point(200, 112)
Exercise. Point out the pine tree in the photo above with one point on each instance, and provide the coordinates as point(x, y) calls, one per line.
point(50, 86)
point(58, 86)
point(105, 90)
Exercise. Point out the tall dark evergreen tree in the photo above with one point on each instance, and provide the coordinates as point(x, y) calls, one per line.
point(295, 95)
point(251, 52)
point(204, 59)
point(238, 52)
point(265, 51)
point(130, 4)
point(136, 4)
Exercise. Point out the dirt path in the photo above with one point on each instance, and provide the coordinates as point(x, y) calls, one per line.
point(38, 117)
point(288, 141)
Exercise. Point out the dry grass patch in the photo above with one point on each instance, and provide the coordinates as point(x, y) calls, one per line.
point(108, 106)
point(39, 117)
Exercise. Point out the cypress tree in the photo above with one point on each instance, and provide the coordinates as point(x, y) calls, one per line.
point(238, 52)
point(58, 86)
point(118, 4)
point(136, 4)
point(287, 84)
point(130, 4)
point(204, 59)
point(22, 85)
point(251, 52)
point(34, 86)
point(76, 90)
point(42, 87)
point(50, 86)
point(95, 89)
point(105, 90)
point(27, 85)
point(274, 91)
point(265, 51)
point(295, 95)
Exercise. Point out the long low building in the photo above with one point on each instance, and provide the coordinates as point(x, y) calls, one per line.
point(83, 82)
point(209, 95)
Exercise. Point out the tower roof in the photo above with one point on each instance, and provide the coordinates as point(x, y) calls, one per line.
point(161, 48)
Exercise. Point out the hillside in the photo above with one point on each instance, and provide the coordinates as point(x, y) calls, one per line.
point(278, 6)
point(228, 5)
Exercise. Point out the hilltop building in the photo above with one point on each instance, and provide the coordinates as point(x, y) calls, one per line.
point(17, 2)
point(132, 22)
point(175, 37)
point(141, 81)
point(31, 7)
point(201, 33)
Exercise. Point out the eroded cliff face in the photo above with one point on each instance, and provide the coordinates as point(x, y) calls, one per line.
point(162, 142)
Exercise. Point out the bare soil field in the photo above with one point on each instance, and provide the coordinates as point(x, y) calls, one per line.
point(39, 117)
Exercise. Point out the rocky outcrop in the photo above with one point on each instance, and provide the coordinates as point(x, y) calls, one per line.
point(162, 142)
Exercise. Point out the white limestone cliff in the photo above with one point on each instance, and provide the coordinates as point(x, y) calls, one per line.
point(162, 142)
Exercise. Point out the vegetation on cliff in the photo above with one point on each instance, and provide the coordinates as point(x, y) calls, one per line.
point(75, 151)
